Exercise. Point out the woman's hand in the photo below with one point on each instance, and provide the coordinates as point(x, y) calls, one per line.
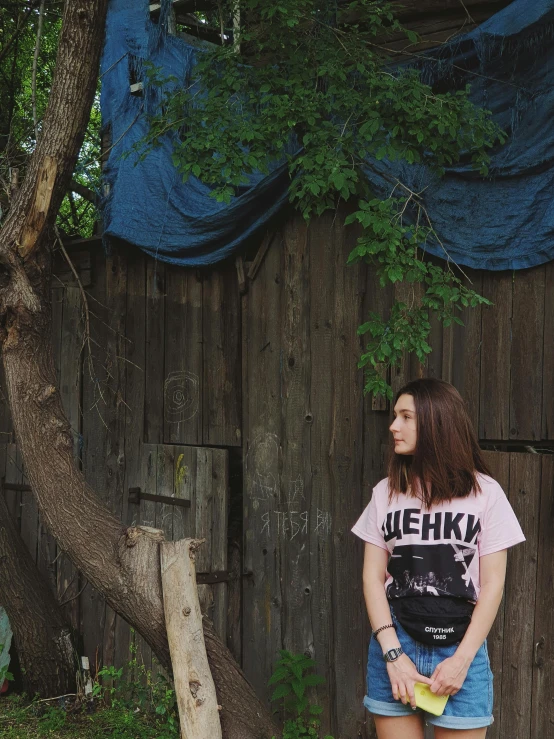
point(403, 675)
point(449, 675)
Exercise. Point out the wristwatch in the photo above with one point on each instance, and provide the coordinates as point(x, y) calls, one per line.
point(393, 654)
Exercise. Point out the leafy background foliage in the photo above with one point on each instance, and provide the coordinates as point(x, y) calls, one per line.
point(306, 82)
point(18, 29)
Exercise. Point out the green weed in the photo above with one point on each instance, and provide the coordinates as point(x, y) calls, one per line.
point(293, 677)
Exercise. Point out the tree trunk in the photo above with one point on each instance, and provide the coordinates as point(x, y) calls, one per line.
point(42, 637)
point(122, 564)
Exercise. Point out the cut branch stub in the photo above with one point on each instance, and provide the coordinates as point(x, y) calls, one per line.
point(194, 686)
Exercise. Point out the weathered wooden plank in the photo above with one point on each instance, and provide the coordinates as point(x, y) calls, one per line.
point(296, 478)
point(147, 479)
point(499, 464)
point(202, 509)
point(345, 462)
point(319, 415)
point(164, 486)
point(135, 379)
point(236, 500)
point(496, 338)
point(183, 357)
point(220, 515)
point(461, 358)
point(377, 416)
point(154, 356)
point(234, 598)
point(96, 409)
point(135, 458)
point(375, 443)
point(116, 492)
point(221, 397)
point(185, 487)
point(526, 359)
point(262, 438)
point(81, 261)
point(542, 712)
point(521, 591)
point(548, 356)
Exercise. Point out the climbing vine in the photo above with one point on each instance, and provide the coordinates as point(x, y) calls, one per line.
point(308, 84)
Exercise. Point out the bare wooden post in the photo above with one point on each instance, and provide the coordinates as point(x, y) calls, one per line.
point(194, 686)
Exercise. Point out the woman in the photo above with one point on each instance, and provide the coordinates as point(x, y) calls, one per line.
point(436, 532)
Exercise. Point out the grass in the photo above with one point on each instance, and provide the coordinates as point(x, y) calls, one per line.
point(126, 703)
point(23, 719)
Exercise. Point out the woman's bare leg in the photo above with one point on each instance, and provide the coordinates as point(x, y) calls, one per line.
point(399, 727)
point(441, 733)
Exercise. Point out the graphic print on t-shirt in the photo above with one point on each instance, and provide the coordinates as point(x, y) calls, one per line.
point(439, 567)
point(431, 569)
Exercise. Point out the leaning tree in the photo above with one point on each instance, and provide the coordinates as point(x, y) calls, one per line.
point(121, 563)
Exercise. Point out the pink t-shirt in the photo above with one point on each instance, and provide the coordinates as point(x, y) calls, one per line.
point(434, 552)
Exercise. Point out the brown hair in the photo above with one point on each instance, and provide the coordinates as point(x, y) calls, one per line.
point(447, 456)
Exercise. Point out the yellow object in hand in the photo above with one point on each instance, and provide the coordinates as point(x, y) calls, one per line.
point(428, 701)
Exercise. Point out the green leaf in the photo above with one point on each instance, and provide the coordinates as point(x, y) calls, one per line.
point(280, 674)
point(312, 680)
point(298, 688)
point(281, 691)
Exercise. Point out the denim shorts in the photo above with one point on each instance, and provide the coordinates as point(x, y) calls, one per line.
point(470, 708)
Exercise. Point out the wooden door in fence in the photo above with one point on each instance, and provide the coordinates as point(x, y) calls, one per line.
point(192, 483)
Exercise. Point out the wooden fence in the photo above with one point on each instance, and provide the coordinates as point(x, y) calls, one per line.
point(251, 406)
point(314, 449)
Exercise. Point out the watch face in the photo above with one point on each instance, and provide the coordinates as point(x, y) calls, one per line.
point(392, 654)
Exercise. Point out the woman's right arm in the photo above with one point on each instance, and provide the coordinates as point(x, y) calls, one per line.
point(402, 672)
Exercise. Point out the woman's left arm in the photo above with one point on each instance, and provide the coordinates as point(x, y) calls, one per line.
point(450, 674)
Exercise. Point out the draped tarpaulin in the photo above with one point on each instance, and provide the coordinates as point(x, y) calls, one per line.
point(505, 221)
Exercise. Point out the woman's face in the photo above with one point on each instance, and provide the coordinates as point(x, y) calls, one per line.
point(404, 427)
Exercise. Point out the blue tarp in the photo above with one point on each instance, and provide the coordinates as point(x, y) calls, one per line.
point(505, 221)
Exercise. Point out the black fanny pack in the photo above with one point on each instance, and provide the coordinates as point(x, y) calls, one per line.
point(433, 620)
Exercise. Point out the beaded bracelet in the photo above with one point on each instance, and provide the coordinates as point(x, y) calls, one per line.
point(382, 628)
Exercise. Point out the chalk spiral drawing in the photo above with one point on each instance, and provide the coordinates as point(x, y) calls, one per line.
point(181, 396)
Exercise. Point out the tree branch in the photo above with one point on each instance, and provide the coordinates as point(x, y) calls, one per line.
point(35, 63)
point(84, 191)
point(21, 25)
